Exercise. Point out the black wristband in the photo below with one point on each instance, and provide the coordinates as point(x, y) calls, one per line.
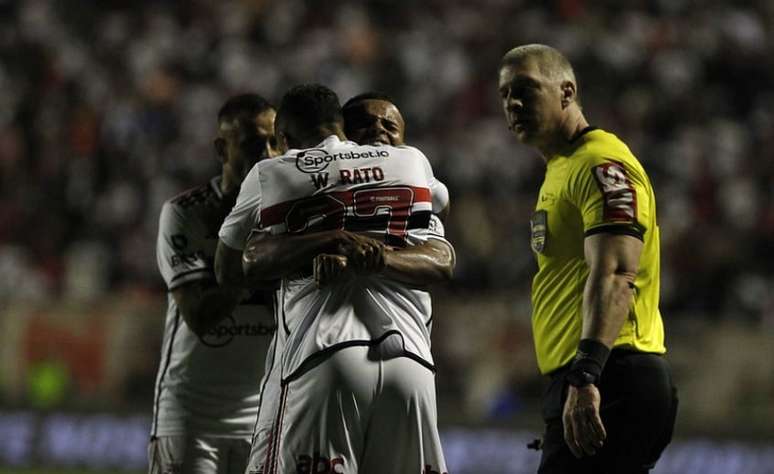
point(591, 357)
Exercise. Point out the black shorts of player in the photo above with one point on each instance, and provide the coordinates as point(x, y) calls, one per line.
point(639, 406)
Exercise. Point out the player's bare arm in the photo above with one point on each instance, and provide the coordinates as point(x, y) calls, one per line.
point(228, 266)
point(613, 262)
point(272, 257)
point(338, 253)
point(229, 272)
point(203, 304)
point(428, 263)
point(424, 264)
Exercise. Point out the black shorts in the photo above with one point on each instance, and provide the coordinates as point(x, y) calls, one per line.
point(639, 406)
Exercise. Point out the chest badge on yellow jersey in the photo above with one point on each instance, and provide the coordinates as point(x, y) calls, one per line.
point(538, 226)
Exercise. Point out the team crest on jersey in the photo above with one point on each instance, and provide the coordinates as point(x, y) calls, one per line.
point(538, 226)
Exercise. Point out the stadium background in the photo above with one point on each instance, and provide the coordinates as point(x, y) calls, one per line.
point(107, 108)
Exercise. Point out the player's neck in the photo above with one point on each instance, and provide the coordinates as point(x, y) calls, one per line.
point(571, 127)
point(321, 133)
point(229, 187)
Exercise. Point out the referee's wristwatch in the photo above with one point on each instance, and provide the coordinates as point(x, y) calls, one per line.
point(577, 377)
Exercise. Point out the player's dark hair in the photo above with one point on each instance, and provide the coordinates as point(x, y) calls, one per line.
point(310, 105)
point(243, 105)
point(371, 95)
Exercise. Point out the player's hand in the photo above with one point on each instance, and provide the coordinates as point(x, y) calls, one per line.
point(584, 432)
point(328, 268)
point(364, 254)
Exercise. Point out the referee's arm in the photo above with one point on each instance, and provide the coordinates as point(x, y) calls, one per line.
point(613, 261)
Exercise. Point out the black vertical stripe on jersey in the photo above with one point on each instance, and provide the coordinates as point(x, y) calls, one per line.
point(282, 310)
point(270, 465)
point(154, 448)
point(164, 373)
point(271, 366)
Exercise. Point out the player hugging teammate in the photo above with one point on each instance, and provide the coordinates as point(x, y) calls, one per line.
point(330, 244)
point(343, 249)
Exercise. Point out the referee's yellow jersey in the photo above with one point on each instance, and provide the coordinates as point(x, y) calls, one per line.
point(598, 186)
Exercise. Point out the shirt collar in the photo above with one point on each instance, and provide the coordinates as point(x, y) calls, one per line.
point(333, 140)
point(330, 141)
point(586, 130)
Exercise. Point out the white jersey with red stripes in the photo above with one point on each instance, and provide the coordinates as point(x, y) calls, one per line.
point(381, 191)
point(206, 385)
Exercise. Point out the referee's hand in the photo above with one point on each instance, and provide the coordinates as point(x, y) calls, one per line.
point(584, 432)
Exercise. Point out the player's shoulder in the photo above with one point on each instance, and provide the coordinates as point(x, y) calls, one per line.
point(266, 169)
point(203, 194)
point(402, 154)
point(192, 203)
point(409, 149)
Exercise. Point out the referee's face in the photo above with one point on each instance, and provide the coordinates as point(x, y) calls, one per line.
point(531, 102)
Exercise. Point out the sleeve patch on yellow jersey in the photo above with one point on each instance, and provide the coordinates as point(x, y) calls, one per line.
point(538, 227)
point(618, 194)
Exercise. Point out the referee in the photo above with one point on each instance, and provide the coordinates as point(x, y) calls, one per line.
point(610, 405)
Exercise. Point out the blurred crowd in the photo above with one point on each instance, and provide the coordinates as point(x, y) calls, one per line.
point(107, 108)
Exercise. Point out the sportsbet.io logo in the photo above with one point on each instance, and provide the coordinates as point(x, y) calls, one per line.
point(225, 332)
point(316, 160)
point(312, 161)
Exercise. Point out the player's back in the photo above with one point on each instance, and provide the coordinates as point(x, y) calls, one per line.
point(381, 191)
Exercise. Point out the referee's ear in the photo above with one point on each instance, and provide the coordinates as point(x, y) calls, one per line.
point(569, 93)
point(220, 149)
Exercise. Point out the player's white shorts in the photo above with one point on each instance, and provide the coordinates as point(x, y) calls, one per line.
point(358, 411)
point(267, 415)
point(197, 455)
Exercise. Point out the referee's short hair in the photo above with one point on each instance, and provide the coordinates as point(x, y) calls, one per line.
point(243, 105)
point(551, 62)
